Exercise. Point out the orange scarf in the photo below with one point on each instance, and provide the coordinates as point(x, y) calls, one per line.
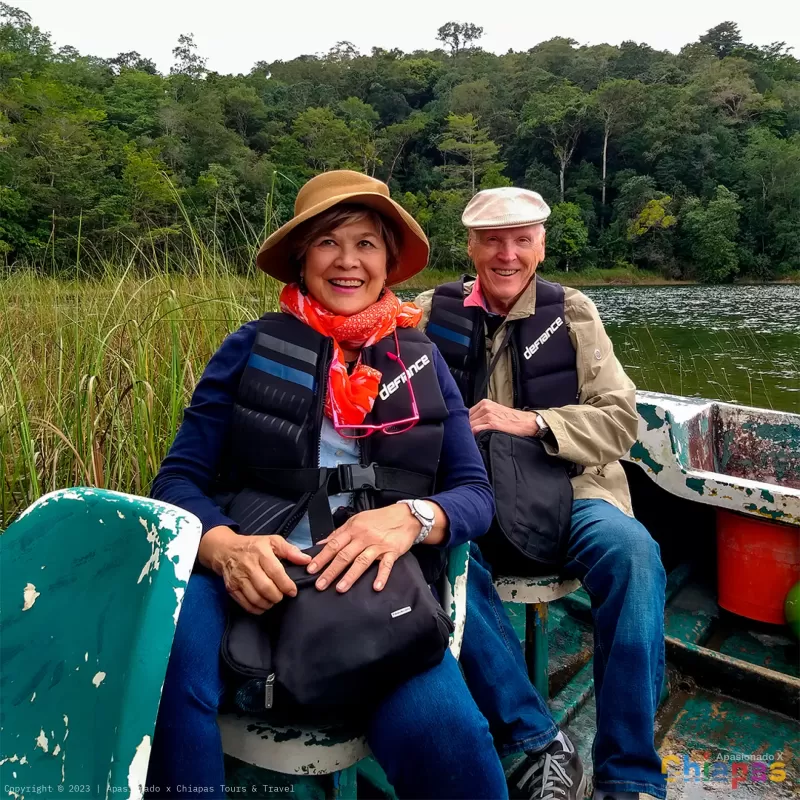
point(351, 394)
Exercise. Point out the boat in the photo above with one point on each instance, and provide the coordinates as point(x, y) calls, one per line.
point(92, 582)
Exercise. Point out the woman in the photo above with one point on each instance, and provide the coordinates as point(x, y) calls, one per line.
point(343, 382)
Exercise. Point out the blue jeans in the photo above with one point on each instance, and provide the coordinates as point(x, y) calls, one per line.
point(618, 563)
point(428, 735)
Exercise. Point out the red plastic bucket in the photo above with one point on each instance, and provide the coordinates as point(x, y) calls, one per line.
point(757, 563)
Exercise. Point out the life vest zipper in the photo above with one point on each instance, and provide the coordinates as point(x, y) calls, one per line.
point(269, 690)
point(514, 372)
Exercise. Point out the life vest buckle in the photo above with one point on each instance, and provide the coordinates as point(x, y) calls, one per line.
point(353, 477)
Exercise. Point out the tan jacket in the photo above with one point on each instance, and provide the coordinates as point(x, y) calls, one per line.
point(601, 429)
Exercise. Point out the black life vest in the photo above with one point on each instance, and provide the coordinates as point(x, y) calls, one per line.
point(543, 366)
point(270, 475)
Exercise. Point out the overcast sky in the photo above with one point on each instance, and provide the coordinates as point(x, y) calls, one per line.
point(234, 34)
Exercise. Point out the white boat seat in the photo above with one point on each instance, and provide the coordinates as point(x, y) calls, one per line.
point(541, 589)
point(535, 593)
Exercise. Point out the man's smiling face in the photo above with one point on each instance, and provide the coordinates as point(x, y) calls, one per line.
point(506, 260)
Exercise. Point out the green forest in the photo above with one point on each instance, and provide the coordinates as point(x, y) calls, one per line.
point(687, 164)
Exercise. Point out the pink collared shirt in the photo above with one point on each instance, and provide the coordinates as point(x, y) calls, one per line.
point(475, 298)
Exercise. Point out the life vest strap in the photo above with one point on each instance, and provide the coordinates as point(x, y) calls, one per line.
point(322, 482)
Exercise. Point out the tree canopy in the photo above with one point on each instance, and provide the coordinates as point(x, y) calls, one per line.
point(687, 163)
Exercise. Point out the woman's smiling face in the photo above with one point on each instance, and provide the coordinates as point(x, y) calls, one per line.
point(345, 268)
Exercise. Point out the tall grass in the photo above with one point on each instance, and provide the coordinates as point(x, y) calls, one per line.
point(95, 373)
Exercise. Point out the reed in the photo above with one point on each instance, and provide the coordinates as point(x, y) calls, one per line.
point(95, 373)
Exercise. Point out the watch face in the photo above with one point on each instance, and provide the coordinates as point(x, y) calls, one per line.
point(424, 510)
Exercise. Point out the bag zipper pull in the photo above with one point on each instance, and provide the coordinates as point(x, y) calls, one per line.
point(269, 690)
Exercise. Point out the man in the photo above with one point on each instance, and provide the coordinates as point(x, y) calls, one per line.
point(540, 343)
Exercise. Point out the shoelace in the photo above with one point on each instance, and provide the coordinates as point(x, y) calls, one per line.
point(547, 776)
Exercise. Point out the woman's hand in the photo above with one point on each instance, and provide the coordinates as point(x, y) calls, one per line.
point(254, 576)
point(382, 534)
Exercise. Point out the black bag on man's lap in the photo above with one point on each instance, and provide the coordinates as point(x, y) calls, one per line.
point(533, 496)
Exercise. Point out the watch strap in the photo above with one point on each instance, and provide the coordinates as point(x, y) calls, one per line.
point(543, 427)
point(425, 525)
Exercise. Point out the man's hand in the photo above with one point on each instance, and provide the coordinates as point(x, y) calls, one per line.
point(254, 576)
point(382, 534)
point(490, 416)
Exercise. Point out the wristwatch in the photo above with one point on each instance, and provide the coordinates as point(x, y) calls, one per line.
point(544, 428)
point(425, 514)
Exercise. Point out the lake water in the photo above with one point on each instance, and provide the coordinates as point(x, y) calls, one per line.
point(733, 343)
point(736, 343)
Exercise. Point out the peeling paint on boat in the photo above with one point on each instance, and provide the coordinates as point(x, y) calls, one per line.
point(108, 779)
point(460, 619)
point(640, 453)
point(310, 750)
point(652, 415)
point(29, 595)
point(155, 550)
point(768, 513)
point(54, 496)
point(179, 549)
point(696, 485)
point(137, 772)
point(99, 678)
point(721, 454)
point(41, 741)
point(538, 589)
point(179, 592)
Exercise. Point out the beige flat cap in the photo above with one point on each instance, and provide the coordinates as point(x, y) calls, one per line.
point(506, 207)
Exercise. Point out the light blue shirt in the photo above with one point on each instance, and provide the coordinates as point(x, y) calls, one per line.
point(333, 450)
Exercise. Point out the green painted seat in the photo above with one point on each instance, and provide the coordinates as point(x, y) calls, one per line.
point(535, 593)
point(92, 583)
point(330, 750)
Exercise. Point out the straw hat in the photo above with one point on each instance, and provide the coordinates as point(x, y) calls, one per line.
point(345, 186)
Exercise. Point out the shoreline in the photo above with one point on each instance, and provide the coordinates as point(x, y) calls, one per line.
point(427, 279)
point(430, 279)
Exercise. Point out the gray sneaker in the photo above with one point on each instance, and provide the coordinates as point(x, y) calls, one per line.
point(555, 773)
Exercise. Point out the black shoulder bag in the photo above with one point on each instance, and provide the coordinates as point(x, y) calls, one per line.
point(326, 651)
point(533, 499)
